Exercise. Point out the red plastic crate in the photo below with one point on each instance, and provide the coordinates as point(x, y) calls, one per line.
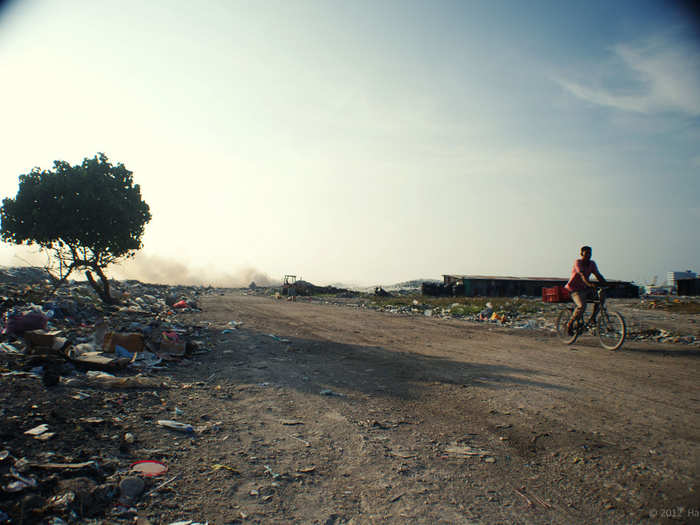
point(556, 294)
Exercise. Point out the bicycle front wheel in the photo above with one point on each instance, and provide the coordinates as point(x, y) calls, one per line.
point(612, 330)
point(562, 321)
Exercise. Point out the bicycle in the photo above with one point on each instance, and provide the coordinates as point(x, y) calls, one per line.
point(609, 326)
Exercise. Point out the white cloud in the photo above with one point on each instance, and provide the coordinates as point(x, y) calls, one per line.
point(665, 73)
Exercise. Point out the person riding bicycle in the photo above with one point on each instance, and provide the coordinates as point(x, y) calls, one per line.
point(580, 287)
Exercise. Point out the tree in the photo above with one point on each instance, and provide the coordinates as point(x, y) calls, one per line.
point(85, 216)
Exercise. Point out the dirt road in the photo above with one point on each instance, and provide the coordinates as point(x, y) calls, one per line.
point(357, 416)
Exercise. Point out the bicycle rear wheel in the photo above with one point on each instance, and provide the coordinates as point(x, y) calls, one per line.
point(562, 321)
point(611, 330)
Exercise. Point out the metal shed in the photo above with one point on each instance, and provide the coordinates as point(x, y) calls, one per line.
point(504, 286)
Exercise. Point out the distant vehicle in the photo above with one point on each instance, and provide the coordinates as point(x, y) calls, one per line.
point(657, 290)
point(288, 287)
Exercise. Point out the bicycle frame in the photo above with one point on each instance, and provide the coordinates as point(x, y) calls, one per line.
point(602, 323)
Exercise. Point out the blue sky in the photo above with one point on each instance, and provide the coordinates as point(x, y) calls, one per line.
point(371, 142)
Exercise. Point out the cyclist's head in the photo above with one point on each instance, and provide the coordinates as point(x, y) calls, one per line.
point(586, 251)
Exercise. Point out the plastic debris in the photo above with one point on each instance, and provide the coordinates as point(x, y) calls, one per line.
point(9, 349)
point(149, 468)
point(80, 395)
point(175, 425)
point(465, 451)
point(38, 430)
point(220, 466)
point(329, 392)
point(269, 470)
point(67, 466)
point(120, 351)
point(20, 483)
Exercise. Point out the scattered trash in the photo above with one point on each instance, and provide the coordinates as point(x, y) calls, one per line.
point(90, 465)
point(329, 392)
point(38, 430)
point(132, 342)
point(120, 351)
point(529, 325)
point(172, 344)
point(18, 322)
point(130, 490)
point(175, 425)
point(80, 396)
point(306, 443)
point(465, 451)
point(67, 336)
point(20, 483)
point(108, 380)
point(277, 338)
point(219, 466)
point(9, 349)
point(149, 468)
point(270, 472)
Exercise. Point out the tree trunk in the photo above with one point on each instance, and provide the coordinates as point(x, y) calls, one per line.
point(103, 291)
point(58, 281)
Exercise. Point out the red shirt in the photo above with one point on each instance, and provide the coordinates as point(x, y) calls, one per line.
point(576, 284)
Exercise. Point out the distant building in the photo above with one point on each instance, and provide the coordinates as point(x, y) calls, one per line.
point(499, 286)
point(688, 286)
point(672, 278)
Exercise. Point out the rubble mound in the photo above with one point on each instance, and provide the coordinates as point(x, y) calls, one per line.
point(23, 275)
point(307, 288)
point(66, 353)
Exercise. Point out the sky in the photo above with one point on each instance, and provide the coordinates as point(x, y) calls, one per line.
point(370, 142)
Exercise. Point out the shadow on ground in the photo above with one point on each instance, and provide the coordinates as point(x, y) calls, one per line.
point(313, 366)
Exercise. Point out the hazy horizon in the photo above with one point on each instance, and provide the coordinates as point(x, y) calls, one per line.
point(371, 143)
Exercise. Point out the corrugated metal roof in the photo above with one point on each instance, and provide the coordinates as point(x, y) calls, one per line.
point(504, 277)
point(509, 278)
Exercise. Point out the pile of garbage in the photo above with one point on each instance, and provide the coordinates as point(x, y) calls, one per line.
point(306, 288)
point(661, 335)
point(70, 339)
point(73, 329)
point(519, 313)
point(503, 316)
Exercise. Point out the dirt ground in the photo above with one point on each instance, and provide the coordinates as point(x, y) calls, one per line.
point(312, 413)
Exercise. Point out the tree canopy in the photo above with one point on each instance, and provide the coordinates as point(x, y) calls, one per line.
point(87, 216)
